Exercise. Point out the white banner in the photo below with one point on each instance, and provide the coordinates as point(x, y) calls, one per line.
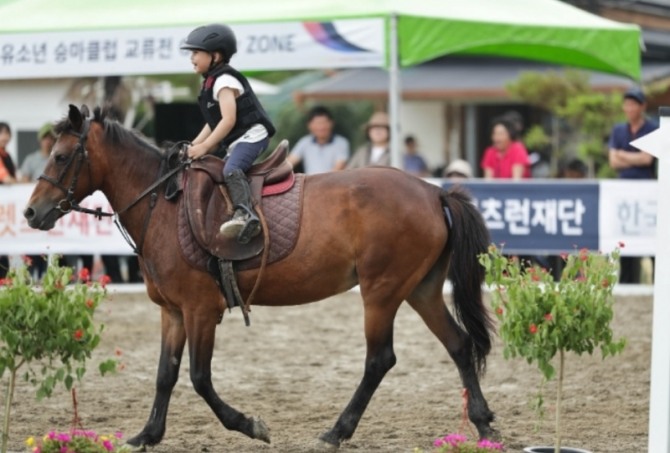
point(74, 233)
point(267, 46)
point(627, 213)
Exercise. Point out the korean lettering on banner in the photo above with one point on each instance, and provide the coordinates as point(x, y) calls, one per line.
point(530, 217)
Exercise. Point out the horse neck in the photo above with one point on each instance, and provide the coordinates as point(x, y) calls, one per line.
point(130, 172)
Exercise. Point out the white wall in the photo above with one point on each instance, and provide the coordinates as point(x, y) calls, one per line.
point(426, 121)
point(28, 104)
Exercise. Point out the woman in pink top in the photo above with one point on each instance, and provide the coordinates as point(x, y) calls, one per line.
point(507, 158)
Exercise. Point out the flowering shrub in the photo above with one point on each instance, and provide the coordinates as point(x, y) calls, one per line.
point(48, 330)
point(539, 318)
point(76, 441)
point(457, 443)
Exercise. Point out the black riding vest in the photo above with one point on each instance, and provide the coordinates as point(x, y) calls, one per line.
point(249, 110)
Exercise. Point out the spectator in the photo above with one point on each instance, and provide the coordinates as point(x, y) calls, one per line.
point(35, 163)
point(7, 176)
point(630, 162)
point(458, 169)
point(412, 162)
point(506, 158)
point(575, 169)
point(322, 150)
point(31, 169)
point(376, 151)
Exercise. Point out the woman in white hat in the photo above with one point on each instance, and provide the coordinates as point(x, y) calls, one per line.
point(376, 150)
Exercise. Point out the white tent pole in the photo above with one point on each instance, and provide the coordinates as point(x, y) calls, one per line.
point(658, 144)
point(394, 92)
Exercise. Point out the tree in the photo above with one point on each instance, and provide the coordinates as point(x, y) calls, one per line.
point(572, 102)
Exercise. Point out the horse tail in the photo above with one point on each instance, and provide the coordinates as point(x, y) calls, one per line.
point(468, 238)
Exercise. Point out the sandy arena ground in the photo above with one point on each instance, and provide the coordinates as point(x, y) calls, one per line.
point(297, 367)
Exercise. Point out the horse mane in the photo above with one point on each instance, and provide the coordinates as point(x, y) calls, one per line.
point(114, 132)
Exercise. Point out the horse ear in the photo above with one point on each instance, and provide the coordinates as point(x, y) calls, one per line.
point(74, 115)
point(84, 111)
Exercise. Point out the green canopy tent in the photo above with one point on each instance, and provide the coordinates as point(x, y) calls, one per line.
point(413, 31)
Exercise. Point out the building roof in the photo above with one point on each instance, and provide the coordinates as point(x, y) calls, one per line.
point(456, 79)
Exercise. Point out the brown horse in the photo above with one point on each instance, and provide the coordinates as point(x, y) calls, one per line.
point(391, 233)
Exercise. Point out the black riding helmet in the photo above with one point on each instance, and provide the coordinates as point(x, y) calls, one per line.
point(212, 38)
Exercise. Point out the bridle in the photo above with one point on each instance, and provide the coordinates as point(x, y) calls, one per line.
point(69, 203)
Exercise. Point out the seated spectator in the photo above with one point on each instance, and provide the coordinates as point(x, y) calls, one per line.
point(376, 151)
point(458, 169)
point(412, 162)
point(506, 158)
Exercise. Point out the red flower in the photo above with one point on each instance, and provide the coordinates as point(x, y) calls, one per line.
point(621, 244)
point(84, 274)
point(5, 281)
point(535, 278)
point(532, 329)
point(78, 334)
point(104, 280)
point(548, 317)
point(90, 303)
point(499, 311)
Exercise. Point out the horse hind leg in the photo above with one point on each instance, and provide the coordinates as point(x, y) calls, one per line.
point(379, 359)
point(200, 330)
point(173, 339)
point(427, 301)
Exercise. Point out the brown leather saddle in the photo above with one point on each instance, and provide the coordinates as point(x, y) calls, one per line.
point(207, 203)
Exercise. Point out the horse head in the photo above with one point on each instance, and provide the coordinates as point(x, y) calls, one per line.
point(70, 172)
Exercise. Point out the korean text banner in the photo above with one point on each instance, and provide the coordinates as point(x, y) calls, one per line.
point(74, 233)
point(536, 218)
point(267, 46)
point(531, 218)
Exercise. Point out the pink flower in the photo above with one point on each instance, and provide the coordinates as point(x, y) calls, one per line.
point(532, 329)
point(548, 317)
point(564, 256)
point(621, 244)
point(485, 443)
point(63, 437)
point(109, 446)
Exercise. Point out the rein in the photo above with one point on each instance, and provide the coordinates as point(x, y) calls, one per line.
point(69, 203)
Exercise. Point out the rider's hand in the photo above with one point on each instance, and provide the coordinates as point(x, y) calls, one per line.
point(196, 151)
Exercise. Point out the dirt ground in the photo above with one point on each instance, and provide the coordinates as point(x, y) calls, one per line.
point(297, 367)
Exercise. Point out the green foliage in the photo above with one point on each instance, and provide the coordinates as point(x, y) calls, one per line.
point(569, 97)
point(536, 138)
point(539, 317)
point(549, 90)
point(48, 330)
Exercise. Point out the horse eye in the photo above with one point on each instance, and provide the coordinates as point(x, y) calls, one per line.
point(60, 158)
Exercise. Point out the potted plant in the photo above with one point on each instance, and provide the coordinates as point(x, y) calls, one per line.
point(540, 318)
point(47, 331)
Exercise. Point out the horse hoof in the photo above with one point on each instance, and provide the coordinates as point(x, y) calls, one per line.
point(259, 430)
point(325, 446)
point(133, 448)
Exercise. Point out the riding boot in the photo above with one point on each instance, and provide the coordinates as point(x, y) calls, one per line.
point(245, 223)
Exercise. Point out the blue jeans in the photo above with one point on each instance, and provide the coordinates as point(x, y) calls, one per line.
point(243, 156)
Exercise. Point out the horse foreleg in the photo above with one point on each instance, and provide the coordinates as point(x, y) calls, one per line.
point(435, 314)
point(201, 328)
point(379, 359)
point(173, 338)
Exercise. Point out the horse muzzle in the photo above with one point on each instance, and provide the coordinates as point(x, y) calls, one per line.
point(42, 217)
